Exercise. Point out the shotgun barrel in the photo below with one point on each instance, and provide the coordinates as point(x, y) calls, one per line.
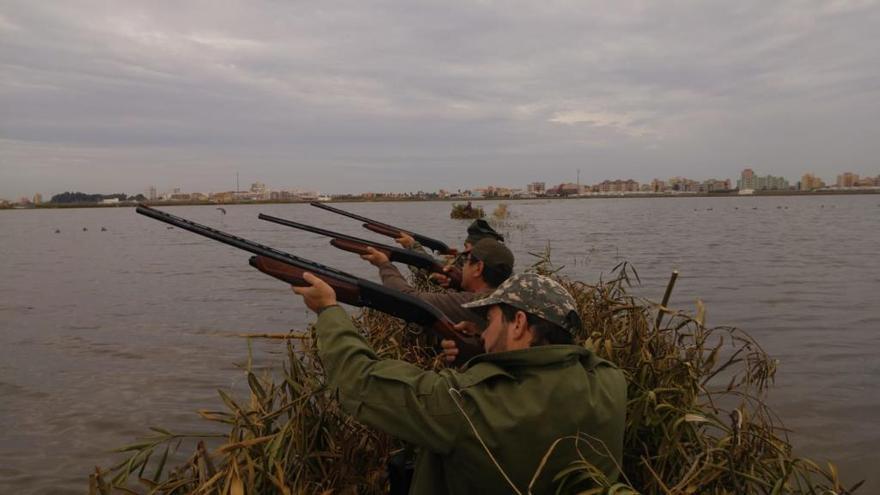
point(390, 230)
point(351, 243)
point(350, 289)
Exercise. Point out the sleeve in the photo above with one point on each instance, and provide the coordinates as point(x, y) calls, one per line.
point(393, 396)
point(447, 302)
point(391, 277)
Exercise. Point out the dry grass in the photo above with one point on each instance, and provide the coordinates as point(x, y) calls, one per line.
point(500, 212)
point(460, 211)
point(696, 419)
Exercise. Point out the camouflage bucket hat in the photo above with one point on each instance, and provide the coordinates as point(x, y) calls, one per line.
point(480, 229)
point(538, 295)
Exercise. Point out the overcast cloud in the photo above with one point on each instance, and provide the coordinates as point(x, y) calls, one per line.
point(115, 96)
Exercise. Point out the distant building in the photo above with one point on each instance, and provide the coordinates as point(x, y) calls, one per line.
point(714, 185)
point(810, 182)
point(866, 182)
point(536, 188)
point(38, 198)
point(682, 184)
point(847, 179)
point(568, 189)
point(658, 185)
point(750, 181)
point(110, 201)
point(222, 197)
point(618, 186)
point(259, 191)
point(151, 193)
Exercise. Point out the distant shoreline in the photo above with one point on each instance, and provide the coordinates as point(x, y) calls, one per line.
point(51, 206)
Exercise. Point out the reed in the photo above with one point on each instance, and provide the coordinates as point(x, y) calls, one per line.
point(696, 417)
point(466, 211)
point(500, 212)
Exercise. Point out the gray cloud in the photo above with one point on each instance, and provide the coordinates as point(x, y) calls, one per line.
point(346, 97)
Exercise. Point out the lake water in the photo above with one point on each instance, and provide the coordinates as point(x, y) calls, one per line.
point(104, 333)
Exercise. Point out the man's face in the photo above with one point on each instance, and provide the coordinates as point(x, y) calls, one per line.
point(497, 332)
point(470, 272)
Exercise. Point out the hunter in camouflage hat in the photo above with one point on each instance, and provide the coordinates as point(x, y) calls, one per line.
point(536, 295)
point(480, 229)
point(531, 386)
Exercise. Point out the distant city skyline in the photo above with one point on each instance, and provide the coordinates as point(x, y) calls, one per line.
point(749, 182)
point(344, 98)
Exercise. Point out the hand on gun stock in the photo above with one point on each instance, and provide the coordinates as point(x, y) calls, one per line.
point(318, 294)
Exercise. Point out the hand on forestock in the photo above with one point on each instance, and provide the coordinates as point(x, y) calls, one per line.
point(375, 257)
point(405, 240)
point(318, 295)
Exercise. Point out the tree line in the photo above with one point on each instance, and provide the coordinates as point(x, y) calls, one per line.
point(80, 197)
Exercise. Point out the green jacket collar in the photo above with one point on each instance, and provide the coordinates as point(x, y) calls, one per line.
point(534, 356)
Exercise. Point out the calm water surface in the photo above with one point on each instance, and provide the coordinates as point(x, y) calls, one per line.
point(104, 333)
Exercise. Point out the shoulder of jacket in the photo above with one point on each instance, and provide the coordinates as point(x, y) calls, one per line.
point(481, 372)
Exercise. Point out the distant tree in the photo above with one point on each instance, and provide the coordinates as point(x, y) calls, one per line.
point(80, 197)
point(138, 198)
point(75, 197)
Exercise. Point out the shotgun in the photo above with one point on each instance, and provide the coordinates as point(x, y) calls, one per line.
point(349, 289)
point(390, 230)
point(357, 245)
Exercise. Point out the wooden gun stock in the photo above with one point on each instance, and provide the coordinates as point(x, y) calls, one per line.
point(345, 292)
point(354, 247)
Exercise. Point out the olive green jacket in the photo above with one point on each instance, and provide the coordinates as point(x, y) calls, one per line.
point(518, 403)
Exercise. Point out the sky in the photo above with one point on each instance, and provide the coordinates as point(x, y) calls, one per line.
point(344, 97)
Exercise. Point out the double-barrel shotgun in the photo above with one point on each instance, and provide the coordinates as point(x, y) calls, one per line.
point(390, 230)
point(349, 289)
point(357, 245)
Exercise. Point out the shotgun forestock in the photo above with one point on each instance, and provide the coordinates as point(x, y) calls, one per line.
point(345, 292)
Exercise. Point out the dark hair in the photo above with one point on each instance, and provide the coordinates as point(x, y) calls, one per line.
point(491, 275)
point(546, 333)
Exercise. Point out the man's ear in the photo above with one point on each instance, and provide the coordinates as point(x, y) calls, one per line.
point(521, 326)
point(478, 268)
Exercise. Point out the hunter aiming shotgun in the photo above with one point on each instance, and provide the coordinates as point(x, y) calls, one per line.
point(349, 289)
point(390, 230)
point(359, 246)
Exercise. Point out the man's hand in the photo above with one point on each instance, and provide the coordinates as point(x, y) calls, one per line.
point(375, 257)
point(405, 240)
point(318, 295)
point(450, 349)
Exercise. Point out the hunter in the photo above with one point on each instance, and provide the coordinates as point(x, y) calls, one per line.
point(486, 428)
point(477, 230)
point(485, 266)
